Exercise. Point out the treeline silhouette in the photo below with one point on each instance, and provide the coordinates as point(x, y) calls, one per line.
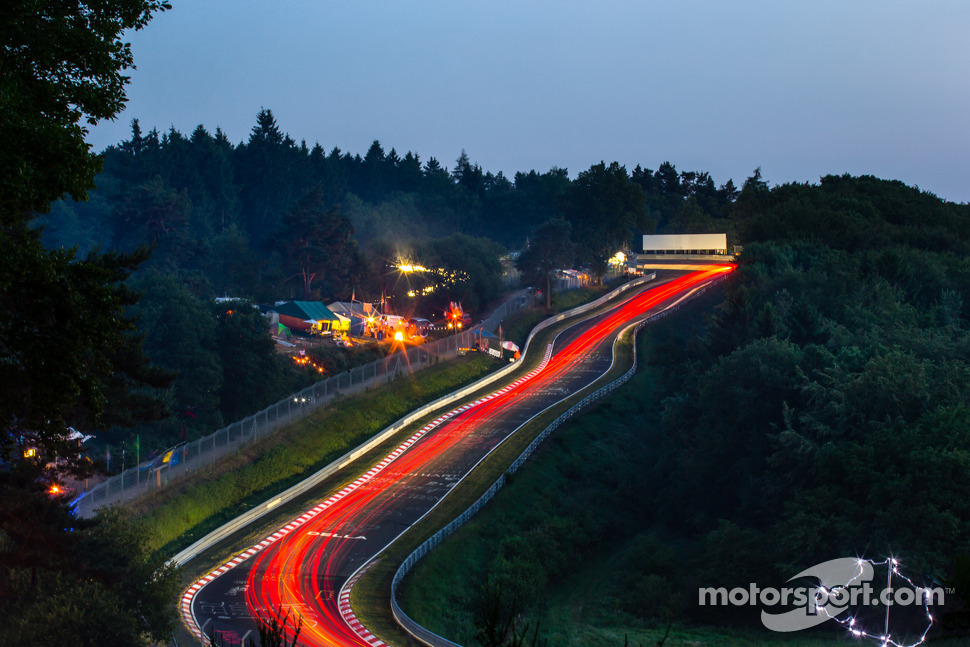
point(819, 412)
point(272, 219)
point(218, 212)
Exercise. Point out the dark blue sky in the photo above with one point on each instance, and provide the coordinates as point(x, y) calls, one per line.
point(799, 88)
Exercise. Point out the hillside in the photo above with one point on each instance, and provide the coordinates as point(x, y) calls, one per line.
point(818, 412)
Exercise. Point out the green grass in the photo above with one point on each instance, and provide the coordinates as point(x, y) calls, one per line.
point(579, 609)
point(195, 492)
point(521, 325)
point(562, 301)
point(518, 327)
point(194, 506)
point(191, 508)
point(371, 595)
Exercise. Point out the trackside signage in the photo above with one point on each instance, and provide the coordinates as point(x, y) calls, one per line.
point(836, 590)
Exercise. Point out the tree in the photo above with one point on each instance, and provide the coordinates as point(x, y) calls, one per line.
point(668, 180)
point(153, 213)
point(61, 340)
point(233, 267)
point(467, 175)
point(265, 171)
point(66, 340)
point(63, 316)
point(94, 586)
point(181, 336)
point(467, 192)
point(498, 622)
point(458, 268)
point(253, 371)
point(512, 215)
point(753, 197)
point(63, 64)
point(604, 208)
point(550, 249)
point(314, 239)
point(374, 173)
point(409, 172)
point(691, 218)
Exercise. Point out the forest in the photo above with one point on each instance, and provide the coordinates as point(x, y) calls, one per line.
point(270, 219)
point(819, 411)
point(816, 409)
point(824, 410)
point(834, 371)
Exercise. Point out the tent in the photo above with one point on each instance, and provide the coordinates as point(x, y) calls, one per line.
point(356, 312)
point(310, 317)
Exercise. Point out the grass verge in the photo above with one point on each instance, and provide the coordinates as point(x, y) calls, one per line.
point(370, 597)
point(197, 504)
point(519, 326)
point(580, 606)
point(191, 508)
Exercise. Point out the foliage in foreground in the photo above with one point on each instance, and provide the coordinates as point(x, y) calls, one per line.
point(79, 582)
point(273, 632)
point(67, 345)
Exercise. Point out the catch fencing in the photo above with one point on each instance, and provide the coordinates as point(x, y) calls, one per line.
point(167, 467)
point(428, 637)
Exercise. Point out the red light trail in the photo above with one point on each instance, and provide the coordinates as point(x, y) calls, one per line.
point(299, 568)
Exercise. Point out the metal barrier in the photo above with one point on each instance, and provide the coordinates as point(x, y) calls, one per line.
point(152, 475)
point(427, 636)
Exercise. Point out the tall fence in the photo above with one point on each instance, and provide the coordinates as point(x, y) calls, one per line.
point(190, 457)
point(424, 635)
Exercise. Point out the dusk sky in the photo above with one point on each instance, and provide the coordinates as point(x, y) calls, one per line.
point(801, 89)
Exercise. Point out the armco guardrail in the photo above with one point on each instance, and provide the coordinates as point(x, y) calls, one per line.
point(592, 305)
point(301, 487)
point(153, 474)
point(424, 635)
point(510, 305)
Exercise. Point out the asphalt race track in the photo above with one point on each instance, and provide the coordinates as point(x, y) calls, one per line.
point(303, 567)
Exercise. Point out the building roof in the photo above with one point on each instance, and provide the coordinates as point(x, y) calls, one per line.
point(356, 308)
point(306, 310)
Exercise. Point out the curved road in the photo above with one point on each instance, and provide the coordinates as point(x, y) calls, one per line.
point(303, 567)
